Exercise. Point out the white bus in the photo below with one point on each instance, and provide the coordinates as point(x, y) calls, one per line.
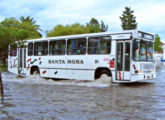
point(124, 57)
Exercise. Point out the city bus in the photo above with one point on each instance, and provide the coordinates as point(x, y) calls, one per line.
point(121, 57)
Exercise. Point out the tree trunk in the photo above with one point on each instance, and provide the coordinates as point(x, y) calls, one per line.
point(4, 62)
point(1, 86)
point(4, 57)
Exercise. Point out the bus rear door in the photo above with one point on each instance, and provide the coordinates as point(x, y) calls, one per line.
point(123, 60)
point(21, 60)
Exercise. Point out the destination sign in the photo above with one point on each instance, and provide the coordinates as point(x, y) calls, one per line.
point(145, 35)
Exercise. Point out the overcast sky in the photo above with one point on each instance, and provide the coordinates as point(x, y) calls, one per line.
point(150, 14)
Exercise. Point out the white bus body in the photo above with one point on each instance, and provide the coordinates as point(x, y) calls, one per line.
point(125, 56)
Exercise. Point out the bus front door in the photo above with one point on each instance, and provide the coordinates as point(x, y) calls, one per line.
point(21, 60)
point(123, 60)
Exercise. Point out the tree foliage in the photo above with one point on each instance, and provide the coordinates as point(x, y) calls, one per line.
point(103, 27)
point(95, 26)
point(31, 22)
point(158, 44)
point(128, 19)
point(92, 27)
point(61, 30)
point(12, 30)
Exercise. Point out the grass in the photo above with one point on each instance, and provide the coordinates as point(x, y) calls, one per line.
point(2, 68)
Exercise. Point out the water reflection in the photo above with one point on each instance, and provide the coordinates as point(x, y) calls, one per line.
point(29, 98)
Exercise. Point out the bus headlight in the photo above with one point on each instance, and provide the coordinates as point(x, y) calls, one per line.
point(138, 71)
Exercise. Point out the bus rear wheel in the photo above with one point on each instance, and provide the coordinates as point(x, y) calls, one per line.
point(105, 77)
point(35, 71)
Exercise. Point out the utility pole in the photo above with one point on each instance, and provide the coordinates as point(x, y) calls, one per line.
point(1, 88)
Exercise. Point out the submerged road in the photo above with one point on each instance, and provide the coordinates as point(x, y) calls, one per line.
point(40, 99)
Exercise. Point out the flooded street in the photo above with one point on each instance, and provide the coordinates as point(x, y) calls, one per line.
point(34, 98)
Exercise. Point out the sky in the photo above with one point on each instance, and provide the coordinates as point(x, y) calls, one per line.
point(150, 14)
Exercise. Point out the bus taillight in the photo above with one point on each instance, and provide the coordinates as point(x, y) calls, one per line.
point(112, 63)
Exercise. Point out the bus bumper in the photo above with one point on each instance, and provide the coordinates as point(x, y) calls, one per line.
point(139, 77)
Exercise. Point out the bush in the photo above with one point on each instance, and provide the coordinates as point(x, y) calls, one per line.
point(3, 69)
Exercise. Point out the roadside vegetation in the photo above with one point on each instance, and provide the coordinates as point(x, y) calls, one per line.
point(24, 28)
point(12, 30)
point(3, 68)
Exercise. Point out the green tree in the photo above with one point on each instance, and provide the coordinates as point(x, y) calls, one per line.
point(128, 19)
point(103, 27)
point(28, 21)
point(28, 31)
point(12, 30)
point(93, 25)
point(8, 33)
point(73, 29)
point(158, 44)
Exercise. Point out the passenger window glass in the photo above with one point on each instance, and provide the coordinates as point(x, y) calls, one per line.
point(99, 45)
point(40, 48)
point(30, 49)
point(76, 46)
point(119, 56)
point(127, 56)
point(57, 47)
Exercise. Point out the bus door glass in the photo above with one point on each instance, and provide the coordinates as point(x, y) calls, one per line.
point(123, 60)
point(22, 60)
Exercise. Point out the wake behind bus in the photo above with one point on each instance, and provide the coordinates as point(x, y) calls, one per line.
point(121, 57)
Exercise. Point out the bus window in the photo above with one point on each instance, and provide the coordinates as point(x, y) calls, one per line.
point(144, 51)
point(127, 56)
point(99, 45)
point(40, 48)
point(150, 51)
point(57, 47)
point(30, 49)
point(76, 46)
point(120, 56)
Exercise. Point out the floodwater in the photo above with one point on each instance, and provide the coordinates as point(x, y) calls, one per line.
point(34, 98)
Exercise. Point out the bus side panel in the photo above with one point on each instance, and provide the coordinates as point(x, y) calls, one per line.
point(76, 67)
point(44, 72)
point(13, 64)
point(42, 63)
point(56, 66)
point(37, 61)
point(97, 61)
point(57, 73)
point(28, 64)
point(112, 58)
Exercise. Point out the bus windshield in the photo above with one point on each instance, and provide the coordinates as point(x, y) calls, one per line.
point(143, 50)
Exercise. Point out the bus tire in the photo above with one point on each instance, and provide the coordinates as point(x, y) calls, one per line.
point(105, 77)
point(35, 71)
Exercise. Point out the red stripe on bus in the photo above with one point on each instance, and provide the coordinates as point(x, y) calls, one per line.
point(44, 72)
point(28, 67)
point(119, 75)
point(134, 67)
point(29, 60)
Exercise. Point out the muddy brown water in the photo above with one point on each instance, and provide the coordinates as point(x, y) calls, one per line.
point(33, 98)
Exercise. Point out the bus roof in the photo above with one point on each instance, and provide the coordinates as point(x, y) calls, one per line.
point(86, 35)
